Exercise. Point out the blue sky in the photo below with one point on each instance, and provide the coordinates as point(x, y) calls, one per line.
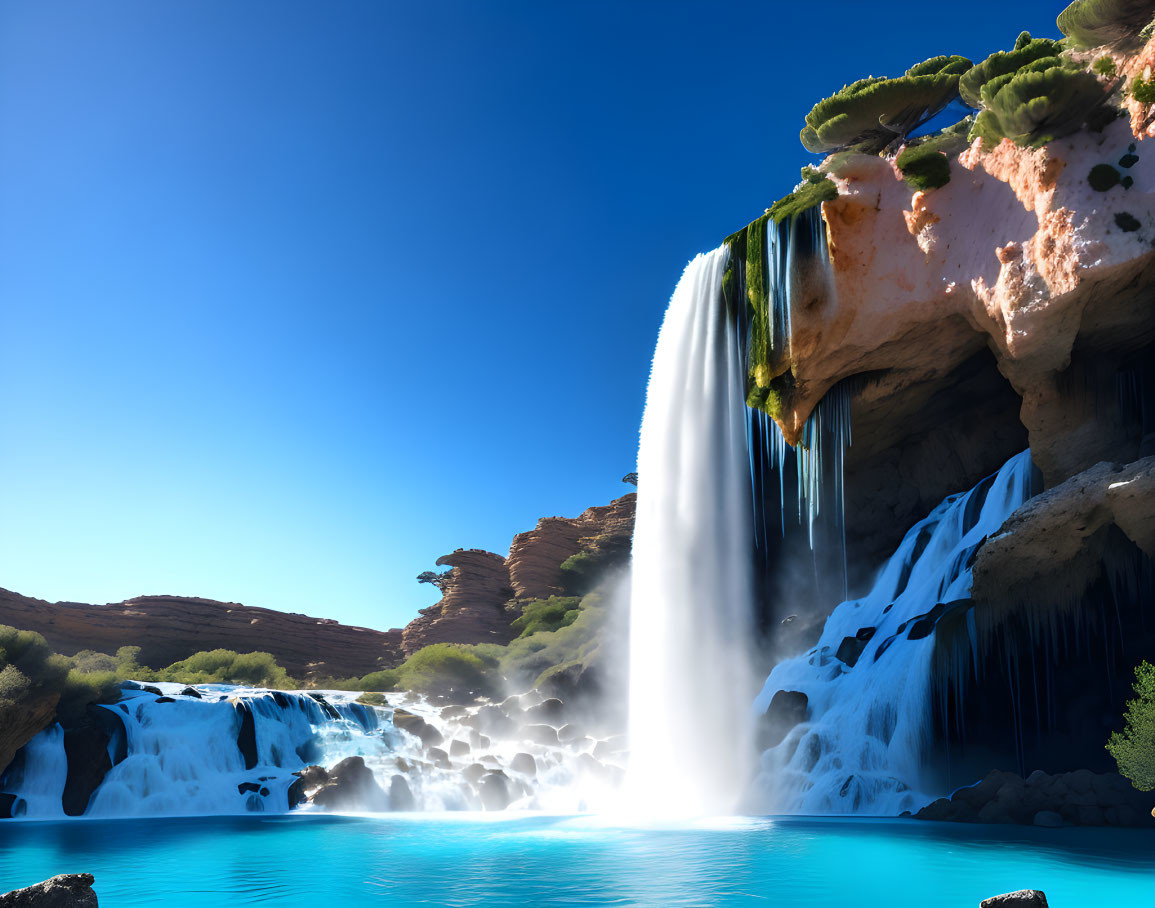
point(297, 296)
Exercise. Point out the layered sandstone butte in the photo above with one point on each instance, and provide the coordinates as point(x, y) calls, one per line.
point(536, 556)
point(171, 628)
point(472, 606)
point(477, 593)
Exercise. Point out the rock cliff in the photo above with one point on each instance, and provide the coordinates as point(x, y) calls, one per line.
point(171, 628)
point(472, 606)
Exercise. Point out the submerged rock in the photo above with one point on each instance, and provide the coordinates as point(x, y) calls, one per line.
point(68, 890)
point(494, 788)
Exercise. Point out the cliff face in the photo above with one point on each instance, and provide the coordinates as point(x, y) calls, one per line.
point(477, 593)
point(171, 628)
point(535, 557)
point(472, 605)
point(1017, 255)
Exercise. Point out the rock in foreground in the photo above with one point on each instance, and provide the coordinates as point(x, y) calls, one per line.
point(1024, 898)
point(68, 890)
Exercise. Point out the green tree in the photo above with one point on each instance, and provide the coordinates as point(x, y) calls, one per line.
point(1044, 100)
point(873, 112)
point(1120, 23)
point(1001, 63)
point(1134, 747)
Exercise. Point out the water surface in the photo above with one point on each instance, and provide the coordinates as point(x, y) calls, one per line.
point(507, 860)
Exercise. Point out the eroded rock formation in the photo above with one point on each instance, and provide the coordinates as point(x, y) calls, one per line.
point(536, 556)
point(472, 605)
point(171, 628)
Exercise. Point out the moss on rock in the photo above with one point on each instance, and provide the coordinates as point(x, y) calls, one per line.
point(1118, 23)
point(1027, 50)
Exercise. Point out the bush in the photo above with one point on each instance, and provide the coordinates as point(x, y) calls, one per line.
point(1027, 50)
point(1043, 101)
point(224, 666)
point(924, 167)
point(450, 668)
point(385, 679)
point(873, 112)
point(550, 614)
point(1119, 23)
point(1134, 747)
point(1142, 90)
point(528, 657)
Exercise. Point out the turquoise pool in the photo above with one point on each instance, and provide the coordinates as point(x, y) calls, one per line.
point(521, 860)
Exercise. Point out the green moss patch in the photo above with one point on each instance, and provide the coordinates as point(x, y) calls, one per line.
point(1103, 177)
point(1126, 222)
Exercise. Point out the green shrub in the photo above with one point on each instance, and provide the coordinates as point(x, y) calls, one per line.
point(1134, 747)
point(1043, 101)
point(386, 679)
point(224, 666)
point(526, 658)
point(14, 684)
point(88, 661)
point(1119, 23)
point(873, 112)
point(1143, 91)
point(924, 167)
point(450, 668)
point(369, 698)
point(1027, 50)
point(1104, 66)
point(550, 614)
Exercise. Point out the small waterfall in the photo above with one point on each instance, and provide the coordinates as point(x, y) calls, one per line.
point(867, 682)
point(38, 776)
point(691, 607)
point(224, 750)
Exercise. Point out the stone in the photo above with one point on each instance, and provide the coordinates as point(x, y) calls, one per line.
point(550, 711)
point(524, 763)
point(458, 748)
point(400, 796)
point(1023, 898)
point(568, 733)
point(540, 734)
point(494, 790)
point(438, 757)
point(191, 692)
point(68, 890)
point(415, 725)
point(1048, 819)
point(787, 709)
point(351, 786)
point(473, 772)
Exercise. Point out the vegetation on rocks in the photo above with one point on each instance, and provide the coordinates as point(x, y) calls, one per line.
point(1027, 50)
point(1122, 24)
point(1044, 100)
point(1134, 747)
point(872, 113)
point(550, 614)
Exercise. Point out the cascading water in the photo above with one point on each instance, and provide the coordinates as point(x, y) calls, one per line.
point(219, 750)
point(691, 611)
point(867, 682)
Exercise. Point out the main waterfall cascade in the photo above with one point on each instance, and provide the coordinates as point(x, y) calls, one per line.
point(691, 606)
point(867, 684)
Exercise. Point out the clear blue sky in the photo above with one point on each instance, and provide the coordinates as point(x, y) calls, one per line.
point(297, 296)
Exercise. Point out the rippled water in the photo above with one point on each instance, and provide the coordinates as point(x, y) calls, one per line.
point(538, 860)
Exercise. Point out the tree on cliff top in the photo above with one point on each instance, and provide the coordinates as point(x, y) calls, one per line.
point(1002, 63)
point(1134, 747)
point(871, 113)
point(1119, 23)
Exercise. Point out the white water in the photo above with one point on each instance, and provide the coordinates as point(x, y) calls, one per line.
point(182, 758)
point(691, 601)
point(860, 750)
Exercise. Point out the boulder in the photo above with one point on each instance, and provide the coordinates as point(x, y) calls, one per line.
point(550, 711)
point(415, 725)
point(68, 890)
point(524, 763)
point(351, 786)
point(438, 757)
point(458, 748)
point(1024, 898)
point(400, 796)
point(494, 789)
point(540, 734)
point(473, 772)
point(1048, 819)
point(787, 708)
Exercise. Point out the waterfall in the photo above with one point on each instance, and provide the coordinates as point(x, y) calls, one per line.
point(867, 682)
point(691, 603)
point(223, 750)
